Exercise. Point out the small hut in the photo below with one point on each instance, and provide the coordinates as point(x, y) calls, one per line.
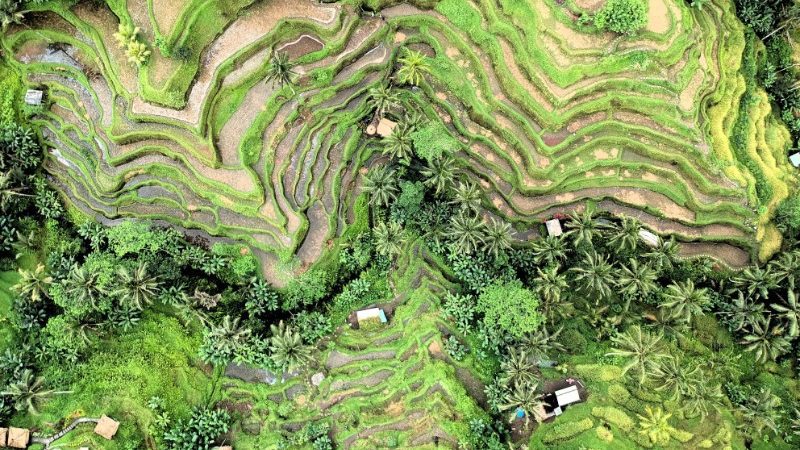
point(34, 97)
point(3, 436)
point(106, 427)
point(371, 315)
point(385, 127)
point(554, 227)
point(18, 437)
point(649, 238)
point(557, 402)
point(795, 159)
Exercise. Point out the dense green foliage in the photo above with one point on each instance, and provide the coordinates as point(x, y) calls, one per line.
point(622, 16)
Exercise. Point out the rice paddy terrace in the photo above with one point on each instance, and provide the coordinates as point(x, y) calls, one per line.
point(547, 116)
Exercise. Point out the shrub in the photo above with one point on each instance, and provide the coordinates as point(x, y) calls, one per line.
point(604, 434)
point(787, 216)
point(433, 141)
point(622, 16)
point(566, 430)
point(510, 308)
point(199, 432)
point(615, 416)
point(599, 372)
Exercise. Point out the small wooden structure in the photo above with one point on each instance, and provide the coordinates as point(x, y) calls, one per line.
point(795, 159)
point(3, 436)
point(106, 427)
point(557, 402)
point(554, 227)
point(18, 437)
point(649, 238)
point(371, 315)
point(385, 127)
point(34, 97)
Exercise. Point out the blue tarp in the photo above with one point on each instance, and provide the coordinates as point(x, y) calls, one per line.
point(382, 316)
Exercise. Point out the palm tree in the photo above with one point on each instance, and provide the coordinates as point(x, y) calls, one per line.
point(34, 283)
point(399, 144)
point(7, 192)
point(223, 341)
point(684, 301)
point(583, 228)
point(381, 185)
point(439, 173)
point(382, 98)
point(761, 412)
point(655, 425)
point(787, 267)
point(677, 378)
point(10, 13)
point(789, 20)
point(550, 285)
point(467, 196)
point(279, 70)
point(540, 344)
point(550, 250)
point(466, 231)
point(641, 349)
point(790, 312)
point(755, 281)
point(768, 343)
point(497, 238)
point(705, 398)
point(517, 368)
point(625, 236)
point(636, 280)
point(663, 256)
point(595, 275)
point(28, 391)
point(742, 311)
point(389, 238)
point(414, 66)
point(287, 348)
point(83, 287)
point(137, 288)
point(524, 397)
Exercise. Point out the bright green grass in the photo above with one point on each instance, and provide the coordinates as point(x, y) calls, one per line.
point(156, 359)
point(7, 279)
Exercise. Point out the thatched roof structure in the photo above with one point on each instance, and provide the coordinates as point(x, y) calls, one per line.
point(18, 437)
point(107, 427)
point(386, 127)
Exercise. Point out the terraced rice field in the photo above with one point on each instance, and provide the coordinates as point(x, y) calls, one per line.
point(548, 117)
point(394, 384)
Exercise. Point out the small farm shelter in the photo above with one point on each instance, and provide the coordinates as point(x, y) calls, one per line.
point(34, 97)
point(386, 127)
point(3, 436)
point(18, 437)
point(106, 427)
point(649, 238)
point(554, 227)
point(556, 402)
point(371, 314)
point(795, 159)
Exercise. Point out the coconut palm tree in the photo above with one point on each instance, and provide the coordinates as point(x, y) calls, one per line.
point(540, 344)
point(595, 274)
point(381, 186)
point(382, 98)
point(766, 342)
point(761, 411)
point(440, 173)
point(787, 267)
point(742, 311)
point(28, 391)
point(789, 310)
point(655, 425)
point(497, 238)
point(663, 257)
point(549, 250)
point(517, 368)
point(683, 301)
point(755, 282)
point(524, 397)
point(467, 197)
point(625, 236)
point(636, 280)
point(224, 341)
point(550, 285)
point(705, 398)
point(414, 65)
point(10, 13)
point(279, 70)
point(677, 377)
point(399, 145)
point(137, 288)
point(7, 191)
point(642, 350)
point(583, 228)
point(83, 287)
point(34, 284)
point(287, 348)
point(389, 238)
point(466, 231)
